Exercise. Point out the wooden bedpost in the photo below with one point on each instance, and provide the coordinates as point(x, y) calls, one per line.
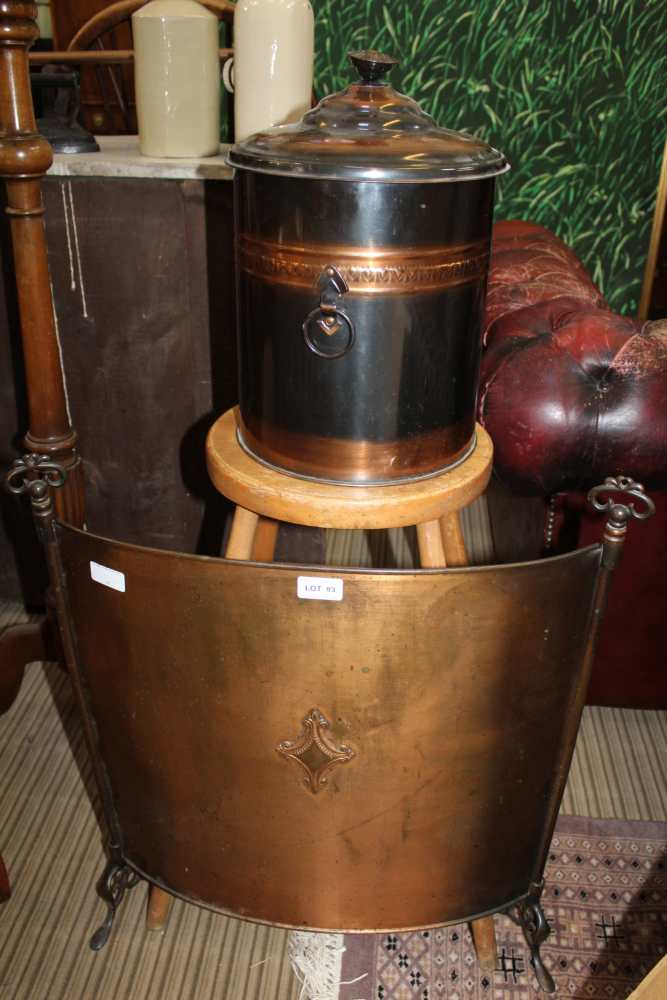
point(25, 156)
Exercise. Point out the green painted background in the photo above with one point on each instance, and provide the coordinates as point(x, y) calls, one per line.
point(573, 91)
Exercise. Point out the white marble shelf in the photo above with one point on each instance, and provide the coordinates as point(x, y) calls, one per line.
point(119, 156)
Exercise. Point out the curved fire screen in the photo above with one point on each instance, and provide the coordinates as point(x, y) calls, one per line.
point(367, 750)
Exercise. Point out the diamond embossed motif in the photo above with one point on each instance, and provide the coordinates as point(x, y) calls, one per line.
point(315, 751)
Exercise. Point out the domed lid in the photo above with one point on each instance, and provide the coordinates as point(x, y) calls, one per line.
point(369, 132)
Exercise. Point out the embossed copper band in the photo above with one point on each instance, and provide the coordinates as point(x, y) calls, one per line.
point(367, 272)
point(344, 461)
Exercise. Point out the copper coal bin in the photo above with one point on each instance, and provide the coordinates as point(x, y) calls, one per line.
point(396, 759)
point(363, 247)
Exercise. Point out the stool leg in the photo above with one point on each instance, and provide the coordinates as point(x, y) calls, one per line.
point(242, 535)
point(431, 549)
point(484, 936)
point(266, 536)
point(452, 540)
point(159, 905)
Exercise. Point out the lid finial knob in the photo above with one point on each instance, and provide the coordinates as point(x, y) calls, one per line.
point(372, 65)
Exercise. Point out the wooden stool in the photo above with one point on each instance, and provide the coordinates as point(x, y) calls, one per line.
point(265, 496)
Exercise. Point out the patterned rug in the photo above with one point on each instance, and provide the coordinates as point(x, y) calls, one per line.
point(606, 902)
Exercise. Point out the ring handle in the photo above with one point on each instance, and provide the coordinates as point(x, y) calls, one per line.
point(328, 331)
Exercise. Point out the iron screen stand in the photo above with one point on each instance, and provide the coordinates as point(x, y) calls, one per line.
point(68, 554)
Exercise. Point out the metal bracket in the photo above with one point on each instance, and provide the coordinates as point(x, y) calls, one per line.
point(529, 916)
point(116, 880)
point(331, 286)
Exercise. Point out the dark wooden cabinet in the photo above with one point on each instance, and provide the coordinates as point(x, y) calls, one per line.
point(142, 281)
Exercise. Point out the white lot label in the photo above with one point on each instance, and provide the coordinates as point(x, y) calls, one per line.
point(109, 577)
point(319, 588)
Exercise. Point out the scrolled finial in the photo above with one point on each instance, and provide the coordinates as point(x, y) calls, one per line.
point(621, 513)
point(639, 507)
point(36, 475)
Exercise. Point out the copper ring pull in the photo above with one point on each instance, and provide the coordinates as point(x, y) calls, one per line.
point(328, 331)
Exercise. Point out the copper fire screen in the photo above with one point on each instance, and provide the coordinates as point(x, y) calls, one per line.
point(301, 761)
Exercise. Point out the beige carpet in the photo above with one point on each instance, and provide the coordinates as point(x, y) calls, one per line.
point(53, 848)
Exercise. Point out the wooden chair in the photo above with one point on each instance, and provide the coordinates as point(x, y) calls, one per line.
point(103, 48)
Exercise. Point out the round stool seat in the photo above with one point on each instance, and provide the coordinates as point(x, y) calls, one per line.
point(278, 495)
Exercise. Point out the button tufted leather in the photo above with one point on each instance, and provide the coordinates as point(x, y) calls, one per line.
point(570, 392)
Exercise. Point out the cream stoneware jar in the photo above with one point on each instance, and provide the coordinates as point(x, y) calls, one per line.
point(177, 78)
point(273, 63)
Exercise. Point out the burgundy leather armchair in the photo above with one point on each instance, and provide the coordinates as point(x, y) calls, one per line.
point(570, 393)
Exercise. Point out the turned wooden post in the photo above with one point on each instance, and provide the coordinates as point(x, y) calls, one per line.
point(25, 156)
